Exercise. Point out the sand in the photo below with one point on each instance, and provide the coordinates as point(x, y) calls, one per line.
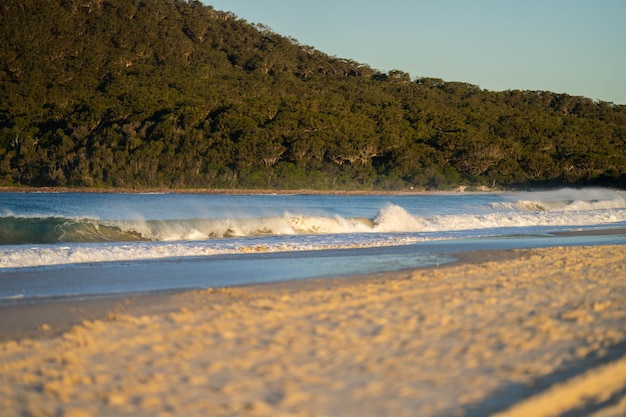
point(536, 332)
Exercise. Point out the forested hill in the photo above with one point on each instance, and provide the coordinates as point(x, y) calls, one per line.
point(172, 93)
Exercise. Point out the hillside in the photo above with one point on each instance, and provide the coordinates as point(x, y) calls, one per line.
point(172, 93)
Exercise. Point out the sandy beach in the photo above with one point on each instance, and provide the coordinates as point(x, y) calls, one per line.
point(536, 332)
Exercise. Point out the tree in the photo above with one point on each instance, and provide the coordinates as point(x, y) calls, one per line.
point(174, 93)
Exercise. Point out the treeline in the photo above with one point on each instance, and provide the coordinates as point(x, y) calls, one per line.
point(172, 93)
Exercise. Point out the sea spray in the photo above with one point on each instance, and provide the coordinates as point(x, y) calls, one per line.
point(394, 218)
point(52, 229)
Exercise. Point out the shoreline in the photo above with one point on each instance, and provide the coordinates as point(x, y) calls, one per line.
point(496, 331)
point(305, 191)
point(233, 191)
point(45, 317)
point(56, 314)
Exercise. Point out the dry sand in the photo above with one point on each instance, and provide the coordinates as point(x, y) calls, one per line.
point(537, 333)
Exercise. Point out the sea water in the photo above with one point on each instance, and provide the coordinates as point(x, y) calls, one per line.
point(62, 244)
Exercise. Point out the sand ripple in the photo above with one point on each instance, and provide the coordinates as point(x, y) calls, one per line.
point(471, 339)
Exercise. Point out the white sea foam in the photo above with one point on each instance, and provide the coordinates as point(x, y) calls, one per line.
point(325, 224)
point(391, 219)
point(566, 199)
point(396, 219)
point(561, 205)
point(49, 255)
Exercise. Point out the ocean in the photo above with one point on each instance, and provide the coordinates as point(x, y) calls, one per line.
point(67, 245)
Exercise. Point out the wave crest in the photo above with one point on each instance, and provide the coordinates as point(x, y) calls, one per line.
point(551, 210)
point(44, 230)
point(561, 205)
point(394, 218)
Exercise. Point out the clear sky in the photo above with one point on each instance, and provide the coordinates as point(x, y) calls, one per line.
point(576, 47)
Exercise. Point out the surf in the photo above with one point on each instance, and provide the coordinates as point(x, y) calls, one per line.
point(391, 218)
point(40, 230)
point(565, 199)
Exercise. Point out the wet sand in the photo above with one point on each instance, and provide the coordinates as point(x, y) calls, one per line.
point(536, 332)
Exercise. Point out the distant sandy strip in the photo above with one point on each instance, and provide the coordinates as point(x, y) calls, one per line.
point(235, 191)
point(538, 332)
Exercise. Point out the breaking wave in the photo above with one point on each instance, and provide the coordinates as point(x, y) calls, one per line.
point(40, 239)
point(43, 230)
point(390, 219)
point(565, 200)
point(561, 205)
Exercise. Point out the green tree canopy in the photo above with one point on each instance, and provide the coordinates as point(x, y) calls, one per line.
point(173, 93)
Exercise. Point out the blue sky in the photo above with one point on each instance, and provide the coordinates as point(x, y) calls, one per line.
point(565, 46)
